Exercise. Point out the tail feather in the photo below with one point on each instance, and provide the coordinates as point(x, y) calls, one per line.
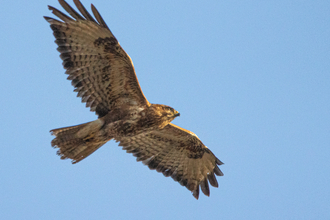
point(80, 141)
point(68, 130)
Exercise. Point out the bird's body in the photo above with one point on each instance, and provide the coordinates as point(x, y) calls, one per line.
point(103, 75)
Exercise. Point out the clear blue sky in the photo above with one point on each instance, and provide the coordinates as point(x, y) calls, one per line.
point(250, 78)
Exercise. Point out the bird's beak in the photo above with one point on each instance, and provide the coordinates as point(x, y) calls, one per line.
point(177, 114)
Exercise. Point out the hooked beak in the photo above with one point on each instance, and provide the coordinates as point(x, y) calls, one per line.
point(177, 114)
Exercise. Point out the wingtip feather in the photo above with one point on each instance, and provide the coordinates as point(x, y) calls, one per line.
point(217, 171)
point(205, 187)
point(196, 193)
point(219, 162)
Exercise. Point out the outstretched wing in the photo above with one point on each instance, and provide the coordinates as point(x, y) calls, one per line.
point(178, 153)
point(100, 70)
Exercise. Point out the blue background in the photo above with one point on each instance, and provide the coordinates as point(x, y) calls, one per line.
point(250, 78)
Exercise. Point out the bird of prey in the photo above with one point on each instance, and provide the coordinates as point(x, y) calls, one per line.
point(103, 75)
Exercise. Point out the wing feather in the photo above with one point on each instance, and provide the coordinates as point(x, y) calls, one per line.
point(59, 14)
point(205, 187)
point(99, 17)
point(70, 10)
point(213, 181)
point(83, 11)
point(100, 70)
point(178, 153)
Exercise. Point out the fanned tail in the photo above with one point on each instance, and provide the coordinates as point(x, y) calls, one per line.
point(80, 141)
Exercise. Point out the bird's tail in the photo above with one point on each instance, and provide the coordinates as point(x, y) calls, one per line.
point(80, 141)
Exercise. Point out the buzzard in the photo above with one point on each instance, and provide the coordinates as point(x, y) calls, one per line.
point(103, 76)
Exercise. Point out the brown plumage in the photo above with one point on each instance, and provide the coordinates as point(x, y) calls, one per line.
point(104, 77)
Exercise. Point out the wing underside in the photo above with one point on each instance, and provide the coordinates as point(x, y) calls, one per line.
point(100, 70)
point(177, 153)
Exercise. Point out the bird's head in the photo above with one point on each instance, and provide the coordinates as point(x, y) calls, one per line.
point(170, 112)
point(165, 113)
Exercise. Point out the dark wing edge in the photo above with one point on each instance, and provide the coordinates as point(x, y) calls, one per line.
point(178, 153)
point(91, 56)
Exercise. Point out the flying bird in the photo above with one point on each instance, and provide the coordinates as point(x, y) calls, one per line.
point(103, 75)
